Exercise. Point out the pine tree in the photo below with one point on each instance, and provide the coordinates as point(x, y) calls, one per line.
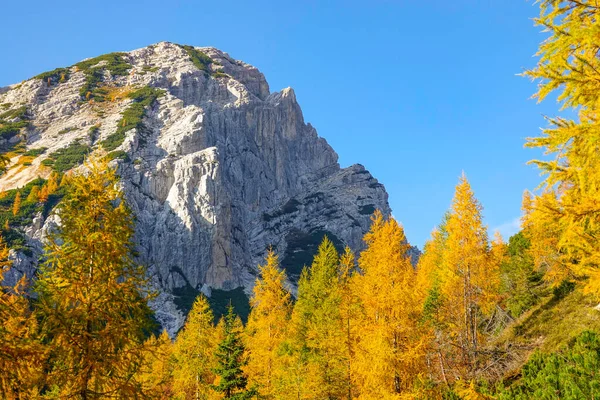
point(267, 326)
point(569, 63)
point(389, 355)
point(16, 204)
point(193, 353)
point(521, 284)
point(91, 302)
point(571, 373)
point(230, 361)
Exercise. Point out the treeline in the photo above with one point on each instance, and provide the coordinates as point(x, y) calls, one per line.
point(372, 327)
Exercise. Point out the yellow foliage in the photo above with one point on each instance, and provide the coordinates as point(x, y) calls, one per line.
point(34, 195)
point(21, 352)
point(156, 374)
point(469, 391)
point(17, 204)
point(470, 279)
point(569, 63)
point(541, 225)
point(193, 354)
point(43, 194)
point(389, 353)
point(117, 93)
point(90, 280)
point(267, 326)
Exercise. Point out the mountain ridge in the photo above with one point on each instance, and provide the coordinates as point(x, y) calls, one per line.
point(215, 167)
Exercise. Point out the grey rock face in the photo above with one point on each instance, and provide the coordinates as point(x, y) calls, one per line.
point(221, 170)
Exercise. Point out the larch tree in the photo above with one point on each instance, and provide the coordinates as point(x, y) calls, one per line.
point(349, 312)
point(193, 354)
point(156, 374)
point(321, 326)
point(569, 63)
point(543, 227)
point(267, 326)
point(92, 301)
point(43, 194)
point(470, 278)
point(389, 353)
point(22, 355)
point(16, 204)
point(34, 195)
point(315, 357)
point(427, 291)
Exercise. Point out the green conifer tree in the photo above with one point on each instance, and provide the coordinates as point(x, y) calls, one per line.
point(230, 359)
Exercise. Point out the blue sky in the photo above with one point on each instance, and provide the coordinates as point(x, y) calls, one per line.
point(415, 91)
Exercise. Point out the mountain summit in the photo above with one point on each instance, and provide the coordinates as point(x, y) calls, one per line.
point(215, 167)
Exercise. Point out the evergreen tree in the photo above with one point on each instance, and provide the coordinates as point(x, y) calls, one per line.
point(91, 302)
point(521, 284)
point(267, 326)
point(194, 353)
point(571, 373)
point(429, 271)
point(230, 361)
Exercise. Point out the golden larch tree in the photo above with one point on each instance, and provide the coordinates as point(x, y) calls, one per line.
point(389, 353)
point(349, 313)
point(569, 63)
point(267, 326)
point(33, 196)
point(193, 353)
point(22, 355)
point(16, 204)
point(542, 226)
point(156, 374)
point(469, 279)
point(91, 293)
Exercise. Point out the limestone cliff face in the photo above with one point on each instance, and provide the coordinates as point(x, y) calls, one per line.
point(219, 169)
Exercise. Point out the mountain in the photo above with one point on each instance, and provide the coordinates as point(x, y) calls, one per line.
point(215, 167)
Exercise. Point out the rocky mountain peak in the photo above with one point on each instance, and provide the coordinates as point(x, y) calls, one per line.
point(215, 167)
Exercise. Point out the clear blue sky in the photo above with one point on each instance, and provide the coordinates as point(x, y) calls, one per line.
point(416, 91)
